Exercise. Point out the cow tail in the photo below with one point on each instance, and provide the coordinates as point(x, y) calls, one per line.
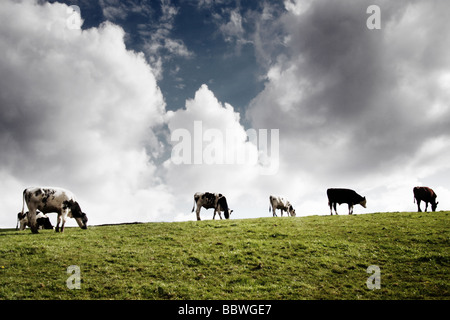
point(193, 206)
point(23, 201)
point(23, 207)
point(270, 209)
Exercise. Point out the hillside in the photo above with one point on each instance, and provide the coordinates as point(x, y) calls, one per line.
point(315, 257)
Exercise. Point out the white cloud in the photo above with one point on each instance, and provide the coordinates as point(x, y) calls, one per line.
point(297, 7)
point(154, 32)
point(241, 182)
point(79, 110)
point(159, 46)
point(114, 10)
point(233, 28)
point(177, 47)
point(209, 3)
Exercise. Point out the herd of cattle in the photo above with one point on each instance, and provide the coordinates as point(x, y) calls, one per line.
point(63, 202)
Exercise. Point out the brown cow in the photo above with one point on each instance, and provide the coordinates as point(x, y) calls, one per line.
point(427, 195)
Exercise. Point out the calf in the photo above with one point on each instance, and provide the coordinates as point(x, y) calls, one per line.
point(282, 204)
point(43, 222)
point(344, 196)
point(48, 200)
point(427, 195)
point(210, 200)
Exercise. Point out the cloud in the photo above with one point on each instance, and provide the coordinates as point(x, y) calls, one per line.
point(358, 107)
point(297, 7)
point(229, 23)
point(233, 28)
point(159, 46)
point(78, 111)
point(153, 34)
point(211, 134)
point(114, 10)
point(210, 3)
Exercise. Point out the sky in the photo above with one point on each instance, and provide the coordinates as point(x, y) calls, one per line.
point(136, 105)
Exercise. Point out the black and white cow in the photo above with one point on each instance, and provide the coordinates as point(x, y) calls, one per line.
point(210, 200)
point(282, 204)
point(426, 195)
point(43, 222)
point(344, 196)
point(48, 200)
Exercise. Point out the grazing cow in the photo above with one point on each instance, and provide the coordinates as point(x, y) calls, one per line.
point(210, 200)
point(344, 196)
point(427, 195)
point(43, 222)
point(282, 204)
point(48, 200)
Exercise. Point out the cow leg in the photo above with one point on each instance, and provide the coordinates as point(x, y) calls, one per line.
point(418, 206)
point(426, 206)
point(218, 211)
point(334, 206)
point(198, 213)
point(32, 220)
point(273, 210)
point(350, 209)
point(63, 217)
point(58, 220)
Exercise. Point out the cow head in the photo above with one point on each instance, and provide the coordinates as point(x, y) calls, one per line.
point(79, 216)
point(434, 206)
point(82, 220)
point(222, 203)
point(292, 211)
point(363, 202)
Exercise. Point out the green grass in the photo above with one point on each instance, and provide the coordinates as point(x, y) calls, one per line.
point(315, 257)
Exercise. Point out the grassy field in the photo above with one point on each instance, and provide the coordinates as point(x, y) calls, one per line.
point(315, 257)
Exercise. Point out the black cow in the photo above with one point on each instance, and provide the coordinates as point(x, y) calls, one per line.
point(344, 196)
point(427, 195)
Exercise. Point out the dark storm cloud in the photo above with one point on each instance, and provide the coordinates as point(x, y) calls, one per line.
point(369, 92)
